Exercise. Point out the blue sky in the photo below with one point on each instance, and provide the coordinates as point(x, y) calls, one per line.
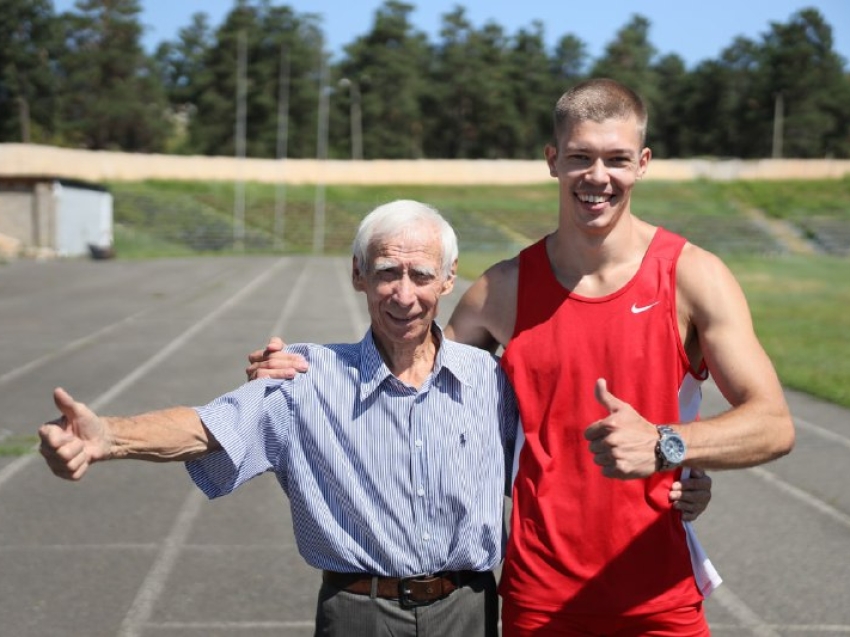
point(694, 29)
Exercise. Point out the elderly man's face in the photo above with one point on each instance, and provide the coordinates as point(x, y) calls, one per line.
point(403, 285)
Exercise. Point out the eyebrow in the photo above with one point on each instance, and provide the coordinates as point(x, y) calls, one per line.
point(383, 265)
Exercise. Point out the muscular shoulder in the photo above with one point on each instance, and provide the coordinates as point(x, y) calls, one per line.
point(497, 286)
point(705, 286)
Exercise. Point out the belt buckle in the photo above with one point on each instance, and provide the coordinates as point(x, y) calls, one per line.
point(405, 591)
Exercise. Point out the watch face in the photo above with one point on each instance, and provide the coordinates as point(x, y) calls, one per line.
point(673, 449)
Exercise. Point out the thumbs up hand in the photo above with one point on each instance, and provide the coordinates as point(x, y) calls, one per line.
point(73, 441)
point(623, 442)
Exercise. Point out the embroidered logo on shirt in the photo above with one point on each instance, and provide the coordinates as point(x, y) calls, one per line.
point(643, 308)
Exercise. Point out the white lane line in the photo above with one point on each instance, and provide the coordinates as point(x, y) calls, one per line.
point(85, 340)
point(803, 496)
point(70, 347)
point(289, 305)
point(277, 547)
point(69, 548)
point(800, 423)
point(154, 583)
point(746, 616)
point(831, 436)
point(791, 628)
point(11, 469)
point(16, 466)
point(228, 626)
point(185, 337)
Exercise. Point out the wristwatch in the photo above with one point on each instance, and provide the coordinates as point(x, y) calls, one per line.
point(669, 450)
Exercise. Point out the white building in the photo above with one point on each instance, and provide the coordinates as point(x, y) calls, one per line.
point(57, 216)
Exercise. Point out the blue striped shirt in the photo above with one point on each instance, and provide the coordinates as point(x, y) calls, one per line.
point(382, 478)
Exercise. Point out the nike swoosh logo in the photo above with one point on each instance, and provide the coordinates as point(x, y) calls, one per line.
point(644, 308)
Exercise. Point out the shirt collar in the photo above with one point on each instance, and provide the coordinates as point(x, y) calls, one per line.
point(373, 370)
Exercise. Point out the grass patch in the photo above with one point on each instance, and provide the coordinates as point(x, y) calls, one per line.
point(798, 303)
point(799, 308)
point(17, 445)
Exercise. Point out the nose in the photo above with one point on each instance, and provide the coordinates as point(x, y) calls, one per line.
point(404, 291)
point(597, 172)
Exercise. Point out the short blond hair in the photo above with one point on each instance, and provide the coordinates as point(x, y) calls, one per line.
point(597, 100)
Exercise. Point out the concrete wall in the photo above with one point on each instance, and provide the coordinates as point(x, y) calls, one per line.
point(103, 166)
point(16, 214)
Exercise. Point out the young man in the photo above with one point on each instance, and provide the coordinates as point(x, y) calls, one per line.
point(609, 326)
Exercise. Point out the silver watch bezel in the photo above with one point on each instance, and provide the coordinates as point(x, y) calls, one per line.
point(669, 457)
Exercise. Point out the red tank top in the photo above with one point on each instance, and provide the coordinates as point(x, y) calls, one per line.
point(580, 542)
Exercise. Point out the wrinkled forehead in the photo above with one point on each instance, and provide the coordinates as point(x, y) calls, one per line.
point(409, 246)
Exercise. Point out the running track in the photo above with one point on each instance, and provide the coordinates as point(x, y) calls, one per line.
point(135, 550)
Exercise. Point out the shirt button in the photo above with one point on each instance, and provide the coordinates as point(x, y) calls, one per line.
point(426, 536)
point(420, 491)
point(418, 443)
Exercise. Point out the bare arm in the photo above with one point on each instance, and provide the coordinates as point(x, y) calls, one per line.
point(80, 437)
point(758, 427)
point(485, 315)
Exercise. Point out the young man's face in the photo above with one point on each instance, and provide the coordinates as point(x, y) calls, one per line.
point(597, 165)
point(403, 286)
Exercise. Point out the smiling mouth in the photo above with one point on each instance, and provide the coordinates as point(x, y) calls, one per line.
point(403, 319)
point(593, 199)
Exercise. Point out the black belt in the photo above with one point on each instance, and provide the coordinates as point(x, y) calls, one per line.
point(419, 590)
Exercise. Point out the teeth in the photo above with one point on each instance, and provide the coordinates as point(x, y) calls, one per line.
point(593, 198)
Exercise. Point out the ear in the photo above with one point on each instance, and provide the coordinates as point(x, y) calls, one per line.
point(643, 162)
point(358, 277)
point(551, 154)
point(449, 283)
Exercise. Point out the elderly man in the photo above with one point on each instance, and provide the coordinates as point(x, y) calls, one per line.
point(392, 451)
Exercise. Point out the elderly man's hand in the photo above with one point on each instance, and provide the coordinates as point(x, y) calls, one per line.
point(71, 443)
point(273, 362)
point(691, 495)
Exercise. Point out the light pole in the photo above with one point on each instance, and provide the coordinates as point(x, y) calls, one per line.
point(321, 156)
point(282, 144)
point(778, 116)
point(239, 142)
point(356, 124)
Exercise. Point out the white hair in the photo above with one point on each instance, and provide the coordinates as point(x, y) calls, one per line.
point(399, 217)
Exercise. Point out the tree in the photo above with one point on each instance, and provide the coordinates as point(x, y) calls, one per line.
point(568, 62)
point(533, 95)
point(27, 90)
point(266, 30)
point(629, 59)
point(111, 97)
point(668, 118)
point(182, 62)
point(801, 67)
point(181, 67)
point(389, 67)
point(471, 104)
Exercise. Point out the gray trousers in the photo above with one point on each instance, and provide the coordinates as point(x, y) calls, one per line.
point(470, 611)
